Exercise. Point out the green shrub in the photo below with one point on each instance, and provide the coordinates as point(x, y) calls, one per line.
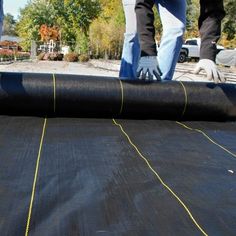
point(55, 56)
point(83, 58)
point(71, 57)
point(60, 57)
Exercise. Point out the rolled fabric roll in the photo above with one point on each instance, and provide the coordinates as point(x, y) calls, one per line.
point(94, 96)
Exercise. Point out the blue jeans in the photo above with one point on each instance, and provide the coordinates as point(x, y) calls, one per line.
point(131, 47)
point(130, 56)
point(173, 18)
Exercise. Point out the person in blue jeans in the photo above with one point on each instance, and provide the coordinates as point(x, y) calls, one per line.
point(131, 47)
point(1, 17)
point(139, 56)
point(172, 13)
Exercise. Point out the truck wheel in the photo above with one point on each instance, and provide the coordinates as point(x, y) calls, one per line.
point(182, 57)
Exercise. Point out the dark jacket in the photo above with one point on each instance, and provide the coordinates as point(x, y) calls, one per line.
point(209, 23)
point(211, 14)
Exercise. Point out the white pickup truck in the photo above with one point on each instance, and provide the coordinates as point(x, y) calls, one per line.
point(191, 49)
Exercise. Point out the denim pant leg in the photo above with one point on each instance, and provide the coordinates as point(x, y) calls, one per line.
point(173, 18)
point(130, 57)
point(1, 17)
point(131, 47)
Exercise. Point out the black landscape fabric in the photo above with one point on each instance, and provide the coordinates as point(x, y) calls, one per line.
point(92, 96)
point(136, 174)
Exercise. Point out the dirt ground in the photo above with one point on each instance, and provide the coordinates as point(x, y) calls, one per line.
point(184, 72)
point(57, 67)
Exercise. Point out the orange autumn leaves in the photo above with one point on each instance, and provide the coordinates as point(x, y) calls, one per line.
point(47, 33)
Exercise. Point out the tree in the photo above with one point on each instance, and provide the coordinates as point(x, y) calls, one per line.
point(69, 16)
point(9, 24)
point(107, 32)
point(81, 13)
point(229, 26)
point(35, 14)
point(192, 15)
point(49, 33)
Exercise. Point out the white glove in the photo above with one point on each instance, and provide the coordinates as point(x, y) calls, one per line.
point(211, 70)
point(148, 68)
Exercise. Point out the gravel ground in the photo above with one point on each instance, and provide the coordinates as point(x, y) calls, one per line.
point(101, 68)
point(57, 67)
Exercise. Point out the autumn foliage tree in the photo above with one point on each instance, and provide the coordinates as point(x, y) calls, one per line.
point(107, 31)
point(71, 17)
point(49, 33)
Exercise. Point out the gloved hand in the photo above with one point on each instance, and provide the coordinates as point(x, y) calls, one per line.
point(148, 68)
point(211, 70)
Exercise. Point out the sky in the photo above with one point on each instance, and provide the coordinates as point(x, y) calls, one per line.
point(13, 6)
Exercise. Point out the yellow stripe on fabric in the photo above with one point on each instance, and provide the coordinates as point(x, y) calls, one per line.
point(35, 178)
point(186, 98)
point(160, 179)
point(122, 97)
point(206, 136)
point(54, 92)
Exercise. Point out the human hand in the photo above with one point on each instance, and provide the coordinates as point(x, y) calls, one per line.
point(148, 68)
point(211, 70)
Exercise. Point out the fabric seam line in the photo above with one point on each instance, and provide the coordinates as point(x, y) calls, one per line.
point(160, 179)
